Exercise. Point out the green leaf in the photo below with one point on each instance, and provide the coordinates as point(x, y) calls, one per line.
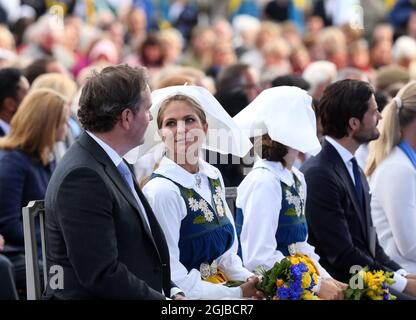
point(189, 193)
point(199, 220)
point(291, 212)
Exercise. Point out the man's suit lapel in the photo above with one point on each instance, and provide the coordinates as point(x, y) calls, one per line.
point(342, 172)
point(101, 156)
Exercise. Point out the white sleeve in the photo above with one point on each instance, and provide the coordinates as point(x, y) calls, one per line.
point(396, 191)
point(230, 263)
point(169, 208)
point(260, 200)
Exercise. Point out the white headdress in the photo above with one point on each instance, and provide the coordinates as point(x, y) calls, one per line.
point(223, 135)
point(286, 114)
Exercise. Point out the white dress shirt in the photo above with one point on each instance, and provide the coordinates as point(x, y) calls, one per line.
point(170, 209)
point(393, 207)
point(346, 156)
point(260, 198)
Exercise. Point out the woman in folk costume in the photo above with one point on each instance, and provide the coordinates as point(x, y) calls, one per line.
point(188, 196)
point(270, 203)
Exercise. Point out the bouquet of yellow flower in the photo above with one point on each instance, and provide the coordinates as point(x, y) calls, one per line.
point(370, 285)
point(293, 278)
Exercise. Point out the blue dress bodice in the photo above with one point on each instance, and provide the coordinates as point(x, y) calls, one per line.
point(206, 233)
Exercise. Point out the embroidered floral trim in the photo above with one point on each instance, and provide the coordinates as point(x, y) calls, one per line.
point(296, 201)
point(202, 205)
point(193, 204)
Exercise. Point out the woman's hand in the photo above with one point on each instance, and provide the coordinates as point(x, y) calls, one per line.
point(331, 290)
point(341, 285)
point(410, 276)
point(249, 289)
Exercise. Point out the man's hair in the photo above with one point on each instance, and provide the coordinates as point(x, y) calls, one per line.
point(291, 80)
point(230, 78)
point(9, 83)
point(341, 101)
point(106, 94)
point(37, 68)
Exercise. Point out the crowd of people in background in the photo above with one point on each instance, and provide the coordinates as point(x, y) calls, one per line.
point(54, 59)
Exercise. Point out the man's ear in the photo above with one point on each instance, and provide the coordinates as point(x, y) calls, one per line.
point(354, 123)
point(126, 118)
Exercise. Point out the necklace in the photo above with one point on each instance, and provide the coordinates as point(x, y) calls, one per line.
point(198, 180)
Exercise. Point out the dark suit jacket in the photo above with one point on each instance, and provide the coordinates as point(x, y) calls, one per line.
point(2, 133)
point(339, 228)
point(94, 230)
point(22, 179)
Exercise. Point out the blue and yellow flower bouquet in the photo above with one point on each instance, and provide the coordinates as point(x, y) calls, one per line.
point(293, 278)
point(370, 285)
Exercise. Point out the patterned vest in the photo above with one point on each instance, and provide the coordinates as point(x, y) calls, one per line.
point(206, 233)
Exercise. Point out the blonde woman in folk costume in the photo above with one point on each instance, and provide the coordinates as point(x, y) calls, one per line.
point(187, 194)
point(270, 203)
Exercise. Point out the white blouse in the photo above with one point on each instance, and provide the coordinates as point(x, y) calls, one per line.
point(170, 209)
point(260, 198)
point(393, 208)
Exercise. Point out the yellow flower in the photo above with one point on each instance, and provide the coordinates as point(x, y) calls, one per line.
point(306, 295)
point(275, 298)
point(315, 278)
point(371, 294)
point(279, 283)
point(306, 280)
point(294, 260)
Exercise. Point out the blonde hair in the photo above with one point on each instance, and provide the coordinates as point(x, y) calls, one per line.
point(56, 81)
point(34, 125)
point(396, 115)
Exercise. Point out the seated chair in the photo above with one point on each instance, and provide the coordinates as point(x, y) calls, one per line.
point(33, 275)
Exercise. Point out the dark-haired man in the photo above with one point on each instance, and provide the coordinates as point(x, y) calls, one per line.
point(13, 88)
point(338, 201)
point(99, 227)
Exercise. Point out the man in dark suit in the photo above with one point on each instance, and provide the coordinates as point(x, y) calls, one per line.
point(100, 230)
point(338, 200)
point(13, 88)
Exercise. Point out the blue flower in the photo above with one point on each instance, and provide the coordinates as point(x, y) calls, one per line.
point(282, 293)
point(295, 291)
point(302, 267)
point(386, 296)
point(296, 272)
